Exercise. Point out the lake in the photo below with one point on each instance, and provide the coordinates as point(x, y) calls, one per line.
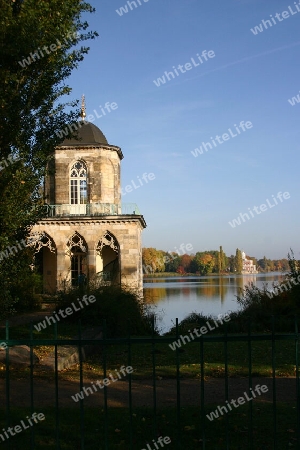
point(177, 297)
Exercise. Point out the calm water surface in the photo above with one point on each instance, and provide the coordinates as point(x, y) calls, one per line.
point(176, 297)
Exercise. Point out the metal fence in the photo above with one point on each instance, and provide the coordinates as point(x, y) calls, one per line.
point(92, 209)
point(219, 434)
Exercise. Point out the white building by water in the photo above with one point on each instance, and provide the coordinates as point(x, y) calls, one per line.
point(248, 266)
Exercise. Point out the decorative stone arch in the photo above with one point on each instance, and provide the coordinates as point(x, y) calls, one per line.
point(40, 239)
point(108, 258)
point(77, 250)
point(45, 258)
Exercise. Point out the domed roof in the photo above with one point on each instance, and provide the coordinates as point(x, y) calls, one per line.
point(88, 134)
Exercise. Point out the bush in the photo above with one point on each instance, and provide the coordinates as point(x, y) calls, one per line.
point(259, 308)
point(121, 308)
point(7, 302)
point(23, 291)
point(18, 293)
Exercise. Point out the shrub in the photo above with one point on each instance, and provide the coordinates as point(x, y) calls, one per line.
point(121, 308)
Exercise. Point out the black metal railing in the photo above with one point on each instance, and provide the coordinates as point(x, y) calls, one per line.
point(105, 419)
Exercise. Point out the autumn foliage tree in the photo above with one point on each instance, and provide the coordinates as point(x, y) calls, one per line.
point(203, 263)
point(153, 260)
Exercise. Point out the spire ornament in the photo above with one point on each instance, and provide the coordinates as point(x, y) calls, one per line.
point(83, 112)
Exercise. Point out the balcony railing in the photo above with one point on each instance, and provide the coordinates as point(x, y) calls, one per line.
point(92, 209)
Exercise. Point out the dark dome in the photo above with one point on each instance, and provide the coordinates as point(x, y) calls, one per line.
point(88, 134)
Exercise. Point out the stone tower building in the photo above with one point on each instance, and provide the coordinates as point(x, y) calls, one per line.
point(87, 229)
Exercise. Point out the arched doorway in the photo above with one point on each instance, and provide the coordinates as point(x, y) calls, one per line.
point(45, 261)
point(77, 251)
point(108, 259)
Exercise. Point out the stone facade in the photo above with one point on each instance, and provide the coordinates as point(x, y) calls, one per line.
point(87, 229)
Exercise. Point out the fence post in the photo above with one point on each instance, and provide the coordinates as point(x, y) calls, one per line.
point(81, 403)
point(274, 383)
point(31, 385)
point(56, 390)
point(105, 388)
point(250, 404)
point(226, 383)
point(178, 443)
point(297, 379)
point(202, 390)
point(130, 387)
point(7, 381)
point(154, 381)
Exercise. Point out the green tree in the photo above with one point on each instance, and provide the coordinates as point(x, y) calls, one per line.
point(238, 261)
point(221, 261)
point(231, 262)
point(264, 264)
point(193, 265)
point(37, 54)
point(171, 262)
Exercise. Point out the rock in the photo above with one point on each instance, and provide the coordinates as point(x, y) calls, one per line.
point(68, 355)
point(19, 355)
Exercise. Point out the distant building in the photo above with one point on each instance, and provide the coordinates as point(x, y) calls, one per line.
point(248, 266)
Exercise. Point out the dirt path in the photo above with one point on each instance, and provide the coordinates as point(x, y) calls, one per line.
point(23, 319)
point(142, 392)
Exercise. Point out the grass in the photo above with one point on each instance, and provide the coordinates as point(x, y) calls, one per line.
point(143, 355)
point(143, 428)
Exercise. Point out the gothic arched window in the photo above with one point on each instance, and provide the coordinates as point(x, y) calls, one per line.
point(78, 184)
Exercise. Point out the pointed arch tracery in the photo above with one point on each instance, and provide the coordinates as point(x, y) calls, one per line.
point(40, 239)
point(76, 243)
point(77, 251)
point(108, 258)
point(108, 240)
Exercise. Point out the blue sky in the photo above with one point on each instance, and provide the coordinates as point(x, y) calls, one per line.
point(192, 199)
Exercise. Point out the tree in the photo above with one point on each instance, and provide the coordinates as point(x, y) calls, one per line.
point(231, 263)
point(172, 261)
point(263, 264)
point(205, 262)
point(186, 262)
point(153, 260)
point(238, 261)
point(149, 256)
point(181, 270)
point(37, 56)
point(221, 261)
point(193, 265)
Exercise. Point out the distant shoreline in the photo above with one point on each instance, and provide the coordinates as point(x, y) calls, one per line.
point(174, 274)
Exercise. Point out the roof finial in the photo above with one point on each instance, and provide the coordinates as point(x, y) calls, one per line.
point(83, 113)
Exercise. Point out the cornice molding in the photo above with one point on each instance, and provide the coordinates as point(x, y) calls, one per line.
point(92, 220)
point(91, 146)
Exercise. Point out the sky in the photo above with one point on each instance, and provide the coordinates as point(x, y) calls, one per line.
point(244, 77)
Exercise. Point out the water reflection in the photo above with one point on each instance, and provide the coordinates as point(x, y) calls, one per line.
point(179, 296)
